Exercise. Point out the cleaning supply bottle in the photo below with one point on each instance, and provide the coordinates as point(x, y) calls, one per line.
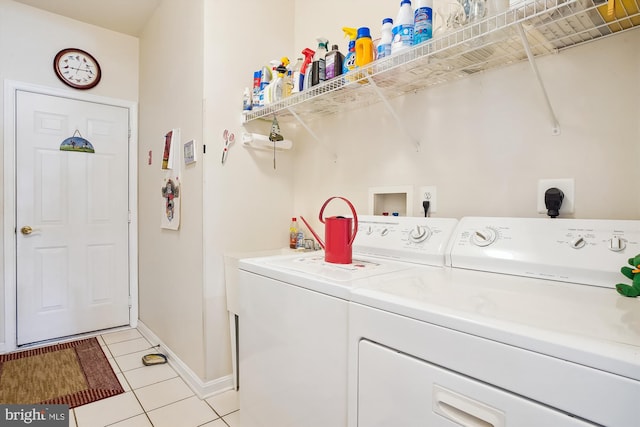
point(293, 233)
point(286, 78)
point(269, 89)
point(403, 28)
point(386, 37)
point(318, 66)
point(422, 21)
point(279, 88)
point(247, 104)
point(300, 239)
point(364, 47)
point(350, 59)
point(333, 63)
point(296, 76)
point(255, 95)
point(265, 79)
point(305, 68)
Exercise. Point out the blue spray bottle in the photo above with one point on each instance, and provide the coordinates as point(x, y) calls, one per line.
point(349, 63)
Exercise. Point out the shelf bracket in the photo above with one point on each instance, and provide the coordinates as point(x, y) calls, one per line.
point(393, 113)
point(313, 134)
point(555, 130)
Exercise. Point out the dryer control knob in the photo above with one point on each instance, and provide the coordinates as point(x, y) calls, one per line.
point(617, 244)
point(384, 231)
point(484, 237)
point(578, 243)
point(419, 234)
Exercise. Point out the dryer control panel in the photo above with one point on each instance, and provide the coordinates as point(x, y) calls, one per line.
point(581, 251)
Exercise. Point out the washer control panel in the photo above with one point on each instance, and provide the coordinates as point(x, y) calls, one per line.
point(572, 250)
point(412, 239)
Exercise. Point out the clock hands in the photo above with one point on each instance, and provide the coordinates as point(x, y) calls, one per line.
point(86, 69)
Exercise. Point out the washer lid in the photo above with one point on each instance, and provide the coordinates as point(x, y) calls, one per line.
point(311, 271)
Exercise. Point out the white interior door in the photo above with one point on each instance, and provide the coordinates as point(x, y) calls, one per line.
point(72, 269)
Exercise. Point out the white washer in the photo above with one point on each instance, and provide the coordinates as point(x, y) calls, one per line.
point(524, 329)
point(293, 320)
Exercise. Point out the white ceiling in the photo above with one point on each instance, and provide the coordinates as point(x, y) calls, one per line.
point(123, 16)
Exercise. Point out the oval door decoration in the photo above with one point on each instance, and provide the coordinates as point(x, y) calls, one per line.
point(77, 143)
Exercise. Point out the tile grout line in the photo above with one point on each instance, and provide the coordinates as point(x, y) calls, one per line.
point(106, 348)
point(144, 411)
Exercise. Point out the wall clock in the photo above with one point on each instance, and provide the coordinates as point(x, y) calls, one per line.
point(77, 68)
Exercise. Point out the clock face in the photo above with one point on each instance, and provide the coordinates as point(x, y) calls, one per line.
point(77, 68)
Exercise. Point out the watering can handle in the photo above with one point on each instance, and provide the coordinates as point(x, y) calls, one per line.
point(353, 211)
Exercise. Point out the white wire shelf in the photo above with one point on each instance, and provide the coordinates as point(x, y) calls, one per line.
point(549, 26)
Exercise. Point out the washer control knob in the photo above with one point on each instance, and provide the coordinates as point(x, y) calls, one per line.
point(617, 244)
point(484, 237)
point(384, 231)
point(369, 230)
point(578, 243)
point(419, 234)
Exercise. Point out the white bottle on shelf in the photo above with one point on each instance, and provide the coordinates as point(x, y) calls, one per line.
point(403, 28)
point(423, 21)
point(386, 37)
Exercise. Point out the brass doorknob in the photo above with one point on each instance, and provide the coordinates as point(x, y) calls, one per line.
point(26, 230)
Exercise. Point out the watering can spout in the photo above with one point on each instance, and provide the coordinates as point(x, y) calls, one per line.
point(312, 232)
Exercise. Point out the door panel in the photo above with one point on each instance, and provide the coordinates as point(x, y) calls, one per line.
point(72, 269)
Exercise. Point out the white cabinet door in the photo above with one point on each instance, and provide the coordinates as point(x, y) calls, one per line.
point(72, 268)
point(395, 389)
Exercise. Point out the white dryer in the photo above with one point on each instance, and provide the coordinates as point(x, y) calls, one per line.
point(523, 329)
point(293, 323)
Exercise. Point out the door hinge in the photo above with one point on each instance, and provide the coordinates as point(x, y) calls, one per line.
point(130, 301)
point(129, 217)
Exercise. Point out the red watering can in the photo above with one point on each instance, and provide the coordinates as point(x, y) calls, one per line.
point(338, 234)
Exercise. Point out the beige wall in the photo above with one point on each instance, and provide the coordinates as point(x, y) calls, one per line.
point(30, 39)
point(247, 203)
point(194, 56)
point(486, 140)
point(170, 262)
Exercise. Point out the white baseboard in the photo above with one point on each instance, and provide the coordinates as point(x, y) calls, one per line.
point(200, 388)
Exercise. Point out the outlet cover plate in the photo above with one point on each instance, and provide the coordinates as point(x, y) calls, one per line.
point(427, 192)
point(567, 185)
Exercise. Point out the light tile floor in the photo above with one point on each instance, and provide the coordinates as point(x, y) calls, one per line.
point(154, 395)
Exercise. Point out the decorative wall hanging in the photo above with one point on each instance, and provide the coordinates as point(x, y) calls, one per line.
point(171, 185)
point(169, 150)
point(171, 204)
point(77, 143)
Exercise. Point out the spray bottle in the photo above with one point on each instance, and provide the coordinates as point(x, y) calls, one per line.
point(279, 87)
point(350, 58)
point(318, 65)
point(306, 68)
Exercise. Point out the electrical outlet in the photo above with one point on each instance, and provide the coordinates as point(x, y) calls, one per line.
point(567, 185)
point(427, 193)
